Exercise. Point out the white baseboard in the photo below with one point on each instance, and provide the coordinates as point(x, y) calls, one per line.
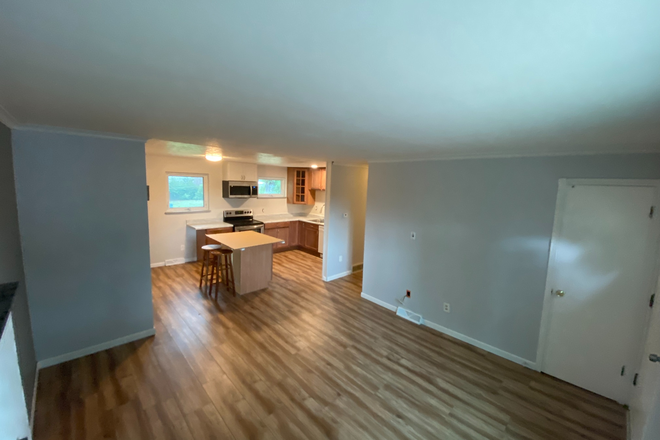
point(337, 276)
point(482, 345)
point(173, 262)
point(461, 337)
point(379, 302)
point(33, 405)
point(94, 349)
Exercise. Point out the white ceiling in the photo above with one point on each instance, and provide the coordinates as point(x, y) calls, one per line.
point(233, 154)
point(347, 80)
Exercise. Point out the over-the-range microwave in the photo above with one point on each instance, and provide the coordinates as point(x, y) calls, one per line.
point(237, 189)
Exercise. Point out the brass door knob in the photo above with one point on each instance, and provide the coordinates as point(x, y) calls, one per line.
point(559, 293)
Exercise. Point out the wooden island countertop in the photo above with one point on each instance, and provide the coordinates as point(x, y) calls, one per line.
point(242, 240)
point(252, 258)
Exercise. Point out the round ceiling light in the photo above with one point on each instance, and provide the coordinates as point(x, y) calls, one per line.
point(213, 154)
point(315, 166)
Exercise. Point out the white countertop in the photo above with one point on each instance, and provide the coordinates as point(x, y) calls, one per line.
point(266, 218)
point(208, 224)
point(245, 239)
point(274, 218)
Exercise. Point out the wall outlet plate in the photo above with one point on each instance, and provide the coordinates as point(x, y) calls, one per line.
point(341, 258)
point(447, 308)
point(183, 247)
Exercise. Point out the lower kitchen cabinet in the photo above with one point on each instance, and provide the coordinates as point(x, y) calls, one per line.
point(309, 237)
point(281, 231)
point(202, 239)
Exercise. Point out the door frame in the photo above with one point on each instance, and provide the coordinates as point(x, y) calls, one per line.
point(564, 185)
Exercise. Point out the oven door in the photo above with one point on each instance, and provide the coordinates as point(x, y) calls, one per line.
point(255, 228)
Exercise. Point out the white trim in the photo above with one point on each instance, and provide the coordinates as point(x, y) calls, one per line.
point(173, 262)
point(381, 303)
point(94, 349)
point(77, 132)
point(461, 337)
point(7, 118)
point(563, 186)
point(489, 348)
point(33, 406)
point(206, 190)
point(516, 155)
point(283, 187)
point(337, 276)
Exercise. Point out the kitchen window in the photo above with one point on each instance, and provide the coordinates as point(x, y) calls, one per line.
point(187, 192)
point(272, 187)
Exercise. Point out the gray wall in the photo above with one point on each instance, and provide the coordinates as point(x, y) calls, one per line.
point(82, 207)
point(11, 266)
point(483, 234)
point(345, 237)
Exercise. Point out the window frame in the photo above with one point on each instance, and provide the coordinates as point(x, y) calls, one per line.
point(281, 195)
point(204, 208)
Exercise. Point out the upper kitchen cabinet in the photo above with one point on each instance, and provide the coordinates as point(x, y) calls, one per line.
point(299, 191)
point(239, 171)
point(318, 179)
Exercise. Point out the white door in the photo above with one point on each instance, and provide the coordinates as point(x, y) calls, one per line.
point(600, 280)
point(645, 402)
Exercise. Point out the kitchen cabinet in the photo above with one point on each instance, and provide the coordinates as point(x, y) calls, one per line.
point(279, 230)
point(309, 236)
point(318, 179)
point(299, 191)
point(202, 239)
point(239, 171)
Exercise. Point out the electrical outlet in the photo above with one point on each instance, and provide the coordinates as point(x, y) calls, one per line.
point(447, 308)
point(341, 258)
point(183, 247)
point(408, 293)
point(413, 235)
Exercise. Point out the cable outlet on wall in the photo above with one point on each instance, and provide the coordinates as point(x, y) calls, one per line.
point(413, 235)
point(341, 258)
point(346, 214)
point(183, 247)
point(447, 308)
point(408, 293)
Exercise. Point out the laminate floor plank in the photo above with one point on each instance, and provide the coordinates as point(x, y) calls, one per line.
point(304, 359)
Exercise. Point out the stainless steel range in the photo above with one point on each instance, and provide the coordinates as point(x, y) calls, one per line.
point(242, 220)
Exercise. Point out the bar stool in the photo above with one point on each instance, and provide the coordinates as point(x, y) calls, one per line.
point(223, 270)
point(206, 264)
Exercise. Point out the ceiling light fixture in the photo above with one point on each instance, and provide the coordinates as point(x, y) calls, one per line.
point(315, 166)
point(213, 154)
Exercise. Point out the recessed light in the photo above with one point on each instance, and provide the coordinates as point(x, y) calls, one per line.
point(315, 166)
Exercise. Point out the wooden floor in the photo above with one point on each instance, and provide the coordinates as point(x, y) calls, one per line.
point(304, 359)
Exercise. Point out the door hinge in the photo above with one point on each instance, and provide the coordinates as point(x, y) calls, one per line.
point(652, 301)
point(635, 379)
point(651, 211)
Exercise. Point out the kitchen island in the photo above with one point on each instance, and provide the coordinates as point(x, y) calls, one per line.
point(252, 258)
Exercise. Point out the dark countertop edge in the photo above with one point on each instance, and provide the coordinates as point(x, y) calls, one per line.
point(7, 293)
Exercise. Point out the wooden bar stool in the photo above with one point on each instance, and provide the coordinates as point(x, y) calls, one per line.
point(224, 270)
point(206, 264)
